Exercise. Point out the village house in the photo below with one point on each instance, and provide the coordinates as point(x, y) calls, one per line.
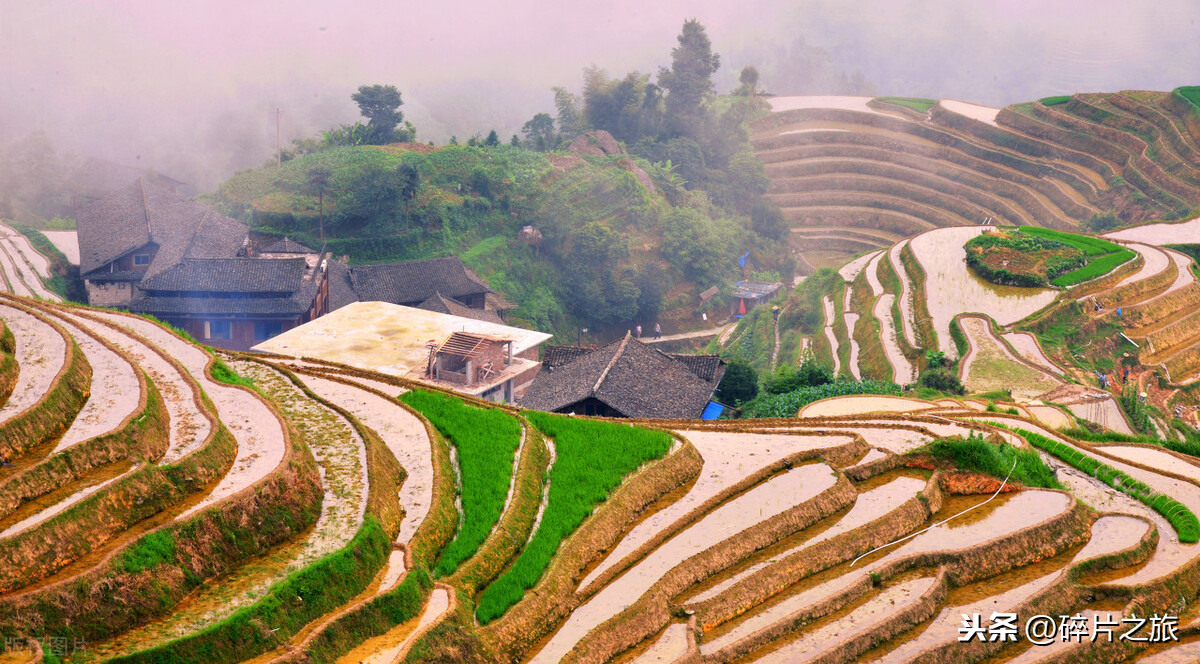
point(477, 357)
point(625, 378)
point(747, 295)
point(150, 250)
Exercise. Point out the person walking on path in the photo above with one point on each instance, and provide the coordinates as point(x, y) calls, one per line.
point(638, 331)
point(657, 331)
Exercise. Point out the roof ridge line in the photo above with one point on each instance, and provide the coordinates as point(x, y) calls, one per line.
point(145, 208)
point(615, 357)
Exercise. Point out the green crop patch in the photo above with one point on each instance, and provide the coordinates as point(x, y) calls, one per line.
point(1182, 519)
point(1054, 101)
point(998, 460)
point(789, 403)
point(917, 104)
point(1037, 257)
point(486, 440)
point(591, 459)
point(1191, 94)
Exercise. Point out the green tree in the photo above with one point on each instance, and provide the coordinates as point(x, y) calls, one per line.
point(319, 178)
point(749, 81)
point(570, 119)
point(689, 80)
point(739, 385)
point(492, 140)
point(514, 141)
point(539, 130)
point(767, 220)
point(380, 104)
point(696, 245)
point(374, 199)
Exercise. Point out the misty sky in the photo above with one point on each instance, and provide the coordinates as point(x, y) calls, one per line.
point(191, 88)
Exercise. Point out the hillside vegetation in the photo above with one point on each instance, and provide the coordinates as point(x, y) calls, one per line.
point(637, 197)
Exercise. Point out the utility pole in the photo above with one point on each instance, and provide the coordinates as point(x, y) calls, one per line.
point(278, 143)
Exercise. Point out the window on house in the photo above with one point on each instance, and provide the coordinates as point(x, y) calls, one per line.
point(141, 260)
point(217, 329)
point(264, 330)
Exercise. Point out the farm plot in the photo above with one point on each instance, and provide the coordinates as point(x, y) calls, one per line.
point(259, 433)
point(190, 423)
point(990, 365)
point(952, 289)
point(401, 431)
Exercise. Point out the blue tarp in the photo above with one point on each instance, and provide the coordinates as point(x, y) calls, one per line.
point(712, 411)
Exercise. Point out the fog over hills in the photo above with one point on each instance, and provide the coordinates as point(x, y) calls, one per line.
point(191, 89)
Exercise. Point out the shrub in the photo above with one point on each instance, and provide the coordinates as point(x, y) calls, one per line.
point(976, 454)
point(591, 459)
point(788, 404)
point(809, 374)
point(740, 384)
point(1101, 222)
point(486, 440)
point(943, 380)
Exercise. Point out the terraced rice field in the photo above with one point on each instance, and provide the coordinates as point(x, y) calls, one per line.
point(752, 528)
point(151, 513)
point(843, 168)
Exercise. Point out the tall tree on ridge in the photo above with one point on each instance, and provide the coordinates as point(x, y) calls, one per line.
point(380, 104)
point(689, 80)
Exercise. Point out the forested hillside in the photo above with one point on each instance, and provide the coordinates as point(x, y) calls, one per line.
point(637, 195)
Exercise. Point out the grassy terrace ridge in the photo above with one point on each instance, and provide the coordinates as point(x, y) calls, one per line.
point(487, 441)
point(1191, 94)
point(917, 104)
point(1103, 256)
point(1054, 101)
point(591, 458)
point(1182, 519)
point(1032, 257)
point(995, 459)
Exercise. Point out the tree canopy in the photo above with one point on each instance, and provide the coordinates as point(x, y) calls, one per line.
point(689, 80)
point(380, 104)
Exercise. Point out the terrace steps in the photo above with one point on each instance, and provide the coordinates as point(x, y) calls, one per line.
point(1053, 193)
point(863, 210)
point(1032, 205)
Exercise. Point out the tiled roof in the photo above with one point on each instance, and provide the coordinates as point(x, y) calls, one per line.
point(413, 282)
point(229, 275)
point(341, 291)
point(629, 376)
point(556, 356)
point(146, 213)
point(755, 289)
point(293, 305)
point(446, 305)
point(288, 246)
point(704, 366)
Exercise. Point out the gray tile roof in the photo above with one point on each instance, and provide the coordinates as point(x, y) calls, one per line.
point(291, 306)
point(229, 275)
point(455, 308)
point(341, 291)
point(288, 246)
point(145, 213)
point(629, 376)
point(413, 282)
